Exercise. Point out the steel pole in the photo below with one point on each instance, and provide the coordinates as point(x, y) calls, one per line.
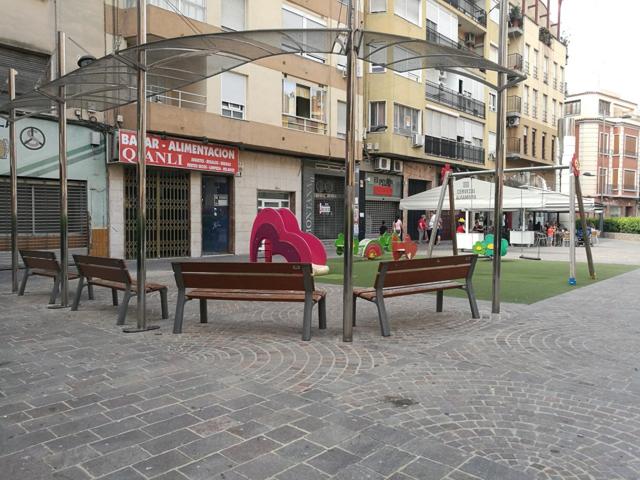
point(62, 157)
point(500, 157)
point(452, 214)
point(443, 192)
point(572, 228)
point(349, 178)
point(583, 223)
point(13, 164)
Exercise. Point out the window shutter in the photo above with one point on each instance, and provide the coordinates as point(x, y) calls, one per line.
point(233, 88)
point(233, 14)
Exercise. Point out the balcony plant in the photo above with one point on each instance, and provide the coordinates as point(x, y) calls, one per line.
point(515, 16)
point(545, 36)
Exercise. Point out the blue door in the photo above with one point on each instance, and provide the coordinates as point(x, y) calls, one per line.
point(215, 214)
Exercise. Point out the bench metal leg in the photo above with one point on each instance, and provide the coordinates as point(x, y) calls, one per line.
point(177, 321)
point(322, 313)
point(164, 304)
point(76, 299)
point(439, 300)
point(475, 313)
point(353, 318)
point(90, 292)
point(122, 310)
point(382, 315)
point(114, 297)
point(306, 322)
point(23, 284)
point(203, 311)
point(54, 290)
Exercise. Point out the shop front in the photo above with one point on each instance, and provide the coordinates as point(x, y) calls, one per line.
point(382, 201)
point(323, 199)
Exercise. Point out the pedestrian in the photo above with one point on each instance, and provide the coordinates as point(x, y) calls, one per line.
point(422, 228)
point(397, 227)
point(439, 232)
point(460, 228)
point(383, 228)
point(432, 225)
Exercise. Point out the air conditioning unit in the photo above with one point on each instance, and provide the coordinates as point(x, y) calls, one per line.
point(382, 163)
point(396, 166)
point(417, 140)
point(513, 121)
point(470, 39)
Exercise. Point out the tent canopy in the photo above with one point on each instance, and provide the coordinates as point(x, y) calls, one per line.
point(174, 63)
point(478, 195)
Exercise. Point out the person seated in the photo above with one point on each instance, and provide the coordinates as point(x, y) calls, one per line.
point(477, 227)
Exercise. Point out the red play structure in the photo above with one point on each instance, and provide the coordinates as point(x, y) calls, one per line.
point(279, 230)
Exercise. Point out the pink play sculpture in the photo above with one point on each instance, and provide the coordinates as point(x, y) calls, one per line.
point(282, 235)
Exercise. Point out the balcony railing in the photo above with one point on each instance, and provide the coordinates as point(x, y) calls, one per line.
point(446, 96)
point(545, 77)
point(544, 117)
point(177, 98)
point(304, 124)
point(441, 147)
point(534, 111)
point(470, 9)
point(436, 37)
point(525, 67)
point(534, 69)
point(514, 105)
point(513, 145)
point(555, 83)
point(525, 108)
point(514, 62)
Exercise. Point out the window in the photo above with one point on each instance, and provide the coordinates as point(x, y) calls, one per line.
point(376, 6)
point(293, 18)
point(303, 107)
point(267, 199)
point(233, 94)
point(603, 173)
point(406, 120)
point(534, 104)
point(543, 148)
point(494, 13)
point(441, 125)
point(527, 54)
point(195, 9)
point(493, 53)
point(377, 52)
point(553, 148)
point(399, 54)
point(555, 74)
point(525, 140)
point(572, 108)
point(603, 146)
point(554, 111)
point(545, 70)
point(545, 102)
point(534, 63)
point(630, 146)
point(493, 101)
point(342, 119)
point(492, 144)
point(525, 100)
point(409, 10)
point(377, 115)
point(233, 14)
point(629, 180)
point(604, 108)
point(533, 142)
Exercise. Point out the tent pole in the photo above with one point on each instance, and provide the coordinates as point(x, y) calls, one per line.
point(443, 191)
point(349, 178)
point(13, 164)
point(572, 226)
point(583, 222)
point(452, 215)
point(500, 158)
point(62, 160)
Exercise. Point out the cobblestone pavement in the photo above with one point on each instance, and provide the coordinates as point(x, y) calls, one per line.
point(546, 391)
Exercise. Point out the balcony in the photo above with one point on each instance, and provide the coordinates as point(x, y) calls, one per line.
point(441, 147)
point(435, 37)
point(446, 96)
point(514, 106)
point(514, 146)
point(470, 9)
point(514, 62)
point(304, 124)
point(177, 98)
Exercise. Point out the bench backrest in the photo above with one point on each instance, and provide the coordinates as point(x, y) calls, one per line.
point(425, 270)
point(104, 268)
point(40, 260)
point(244, 276)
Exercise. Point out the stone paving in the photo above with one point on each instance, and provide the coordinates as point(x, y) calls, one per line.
point(547, 391)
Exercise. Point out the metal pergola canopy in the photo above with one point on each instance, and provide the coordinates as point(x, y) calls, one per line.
point(175, 63)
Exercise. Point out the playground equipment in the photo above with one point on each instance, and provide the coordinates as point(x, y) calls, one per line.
point(370, 248)
point(407, 248)
point(281, 234)
point(486, 247)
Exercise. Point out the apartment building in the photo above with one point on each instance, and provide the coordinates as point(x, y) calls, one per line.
point(279, 124)
point(28, 44)
point(607, 130)
point(535, 105)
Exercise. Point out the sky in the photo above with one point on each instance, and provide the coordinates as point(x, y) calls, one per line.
point(603, 38)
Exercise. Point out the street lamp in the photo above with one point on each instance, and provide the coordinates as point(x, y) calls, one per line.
point(601, 188)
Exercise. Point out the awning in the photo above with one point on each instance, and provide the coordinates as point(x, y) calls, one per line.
point(174, 63)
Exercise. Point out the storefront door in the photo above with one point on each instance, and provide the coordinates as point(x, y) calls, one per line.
point(215, 214)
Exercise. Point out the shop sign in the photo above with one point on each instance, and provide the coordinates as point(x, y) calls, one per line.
point(177, 153)
point(466, 191)
point(325, 209)
point(388, 186)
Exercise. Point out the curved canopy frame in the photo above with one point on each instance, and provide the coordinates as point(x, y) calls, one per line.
point(174, 63)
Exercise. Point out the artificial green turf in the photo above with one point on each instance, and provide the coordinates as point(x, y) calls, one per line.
point(523, 281)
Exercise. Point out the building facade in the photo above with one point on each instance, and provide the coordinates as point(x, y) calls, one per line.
point(607, 130)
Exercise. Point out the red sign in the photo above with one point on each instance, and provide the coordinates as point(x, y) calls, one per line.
point(177, 153)
point(382, 191)
point(575, 165)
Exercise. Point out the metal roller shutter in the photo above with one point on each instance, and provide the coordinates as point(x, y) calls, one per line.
point(31, 68)
point(376, 211)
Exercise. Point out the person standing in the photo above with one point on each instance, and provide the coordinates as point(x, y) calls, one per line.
point(460, 228)
point(439, 232)
point(431, 226)
point(397, 227)
point(422, 228)
point(383, 228)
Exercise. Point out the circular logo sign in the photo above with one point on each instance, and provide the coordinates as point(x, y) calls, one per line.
point(32, 138)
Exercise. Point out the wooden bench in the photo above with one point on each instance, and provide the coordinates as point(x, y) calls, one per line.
point(112, 273)
point(44, 264)
point(251, 282)
point(408, 277)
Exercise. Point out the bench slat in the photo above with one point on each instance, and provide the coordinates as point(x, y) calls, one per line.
point(260, 296)
point(370, 293)
point(428, 262)
point(425, 275)
point(117, 275)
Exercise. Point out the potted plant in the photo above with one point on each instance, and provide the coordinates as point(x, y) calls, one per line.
point(515, 16)
point(545, 36)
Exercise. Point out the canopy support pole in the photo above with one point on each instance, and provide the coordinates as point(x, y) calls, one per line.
point(572, 226)
point(500, 158)
point(62, 160)
point(452, 215)
point(583, 223)
point(349, 178)
point(141, 221)
point(13, 164)
point(443, 191)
